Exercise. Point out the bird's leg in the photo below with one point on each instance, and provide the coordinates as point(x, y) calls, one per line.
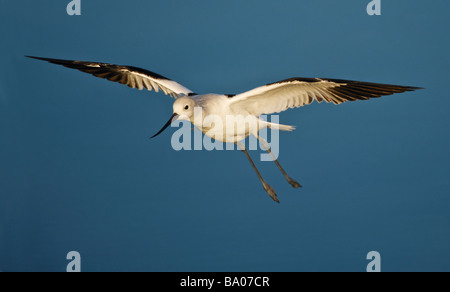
point(290, 180)
point(266, 186)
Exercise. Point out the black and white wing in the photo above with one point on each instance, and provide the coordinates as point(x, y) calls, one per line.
point(296, 92)
point(132, 76)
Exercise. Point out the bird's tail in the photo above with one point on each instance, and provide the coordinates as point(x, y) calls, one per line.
point(280, 127)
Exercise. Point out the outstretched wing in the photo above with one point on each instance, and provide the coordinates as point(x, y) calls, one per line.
point(296, 92)
point(132, 76)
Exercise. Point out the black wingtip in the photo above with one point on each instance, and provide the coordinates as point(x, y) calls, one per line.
point(54, 61)
point(37, 58)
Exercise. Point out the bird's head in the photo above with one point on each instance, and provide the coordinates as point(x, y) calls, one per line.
point(183, 109)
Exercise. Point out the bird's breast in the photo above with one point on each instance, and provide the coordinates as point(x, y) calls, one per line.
point(228, 128)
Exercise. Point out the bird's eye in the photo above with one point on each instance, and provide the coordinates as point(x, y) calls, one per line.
point(186, 107)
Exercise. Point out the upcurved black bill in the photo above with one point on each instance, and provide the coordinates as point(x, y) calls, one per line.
point(165, 126)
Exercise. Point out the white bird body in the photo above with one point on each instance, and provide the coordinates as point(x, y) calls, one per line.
point(215, 116)
point(232, 118)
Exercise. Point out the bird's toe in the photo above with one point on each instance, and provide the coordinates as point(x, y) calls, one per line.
point(271, 192)
point(294, 183)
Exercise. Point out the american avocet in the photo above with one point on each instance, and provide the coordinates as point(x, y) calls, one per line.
point(267, 99)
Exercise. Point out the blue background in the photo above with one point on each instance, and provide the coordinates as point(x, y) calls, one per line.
point(78, 172)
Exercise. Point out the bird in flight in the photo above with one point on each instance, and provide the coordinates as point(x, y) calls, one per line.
point(267, 99)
